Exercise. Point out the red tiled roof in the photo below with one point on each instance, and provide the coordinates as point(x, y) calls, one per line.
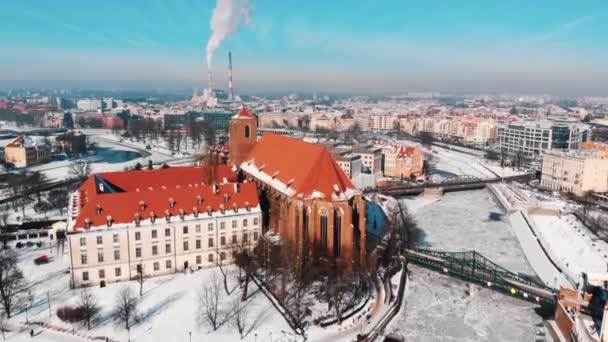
point(244, 113)
point(182, 184)
point(169, 178)
point(305, 167)
point(17, 141)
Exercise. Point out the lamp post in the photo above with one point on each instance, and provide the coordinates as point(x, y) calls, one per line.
point(190, 335)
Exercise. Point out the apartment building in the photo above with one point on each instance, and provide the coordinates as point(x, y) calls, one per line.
point(371, 158)
point(575, 171)
point(534, 137)
point(155, 222)
point(24, 151)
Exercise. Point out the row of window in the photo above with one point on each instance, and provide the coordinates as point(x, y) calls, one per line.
point(155, 266)
point(186, 247)
point(185, 229)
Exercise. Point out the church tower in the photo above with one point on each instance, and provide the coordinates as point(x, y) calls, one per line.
point(243, 136)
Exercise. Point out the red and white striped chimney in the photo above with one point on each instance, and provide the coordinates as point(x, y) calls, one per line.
point(230, 90)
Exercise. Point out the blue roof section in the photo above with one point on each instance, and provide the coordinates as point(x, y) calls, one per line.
point(104, 187)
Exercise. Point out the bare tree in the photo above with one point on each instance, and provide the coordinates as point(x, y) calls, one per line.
point(80, 169)
point(88, 306)
point(239, 317)
point(220, 264)
point(2, 327)
point(4, 225)
point(126, 307)
point(243, 258)
point(58, 199)
point(141, 279)
point(11, 281)
point(209, 298)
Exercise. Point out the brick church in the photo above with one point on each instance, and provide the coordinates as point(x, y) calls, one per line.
point(304, 194)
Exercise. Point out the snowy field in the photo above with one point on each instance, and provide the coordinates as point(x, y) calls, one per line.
point(464, 164)
point(167, 311)
point(438, 309)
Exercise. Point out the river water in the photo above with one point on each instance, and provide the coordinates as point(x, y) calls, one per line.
point(438, 308)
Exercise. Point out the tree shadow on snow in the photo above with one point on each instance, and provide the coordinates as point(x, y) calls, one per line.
point(154, 310)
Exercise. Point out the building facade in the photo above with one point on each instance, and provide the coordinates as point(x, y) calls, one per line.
point(575, 171)
point(25, 151)
point(532, 138)
point(155, 222)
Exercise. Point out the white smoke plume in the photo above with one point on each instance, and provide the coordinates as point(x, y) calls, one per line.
point(227, 18)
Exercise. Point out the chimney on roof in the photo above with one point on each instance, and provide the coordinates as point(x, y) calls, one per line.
point(98, 209)
point(167, 215)
point(171, 203)
point(142, 205)
point(182, 214)
point(109, 221)
point(137, 220)
point(199, 199)
point(87, 223)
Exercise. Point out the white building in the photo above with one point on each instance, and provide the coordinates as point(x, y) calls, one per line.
point(575, 171)
point(157, 222)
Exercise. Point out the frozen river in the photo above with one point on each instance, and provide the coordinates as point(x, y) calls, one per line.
point(437, 307)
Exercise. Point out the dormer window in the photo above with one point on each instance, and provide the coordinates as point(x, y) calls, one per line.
point(142, 205)
point(167, 215)
point(216, 189)
point(237, 188)
point(137, 220)
point(199, 200)
point(87, 223)
point(152, 217)
point(195, 211)
point(109, 221)
point(222, 209)
point(171, 203)
point(236, 208)
point(182, 214)
point(226, 198)
point(98, 210)
point(247, 206)
point(209, 211)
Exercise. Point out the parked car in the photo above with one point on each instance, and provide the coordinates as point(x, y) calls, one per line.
point(19, 244)
point(29, 244)
point(43, 259)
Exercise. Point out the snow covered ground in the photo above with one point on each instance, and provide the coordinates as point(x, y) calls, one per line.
point(458, 163)
point(167, 311)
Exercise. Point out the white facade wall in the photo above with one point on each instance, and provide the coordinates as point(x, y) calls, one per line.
point(161, 247)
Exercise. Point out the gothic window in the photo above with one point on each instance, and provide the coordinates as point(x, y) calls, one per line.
point(337, 232)
point(247, 131)
point(323, 229)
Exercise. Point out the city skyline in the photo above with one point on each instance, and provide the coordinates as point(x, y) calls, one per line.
point(368, 47)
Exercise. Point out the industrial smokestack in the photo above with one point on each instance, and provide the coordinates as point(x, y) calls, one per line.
point(210, 84)
point(226, 21)
point(230, 90)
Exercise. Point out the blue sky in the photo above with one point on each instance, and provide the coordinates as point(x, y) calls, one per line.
point(377, 46)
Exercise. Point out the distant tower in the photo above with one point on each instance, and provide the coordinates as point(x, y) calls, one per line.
point(243, 136)
point(230, 90)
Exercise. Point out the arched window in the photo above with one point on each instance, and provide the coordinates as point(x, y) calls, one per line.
point(247, 131)
point(337, 232)
point(323, 225)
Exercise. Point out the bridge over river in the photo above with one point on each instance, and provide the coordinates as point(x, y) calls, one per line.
point(475, 268)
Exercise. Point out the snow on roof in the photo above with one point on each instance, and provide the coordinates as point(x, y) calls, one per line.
point(22, 141)
point(244, 113)
point(306, 171)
